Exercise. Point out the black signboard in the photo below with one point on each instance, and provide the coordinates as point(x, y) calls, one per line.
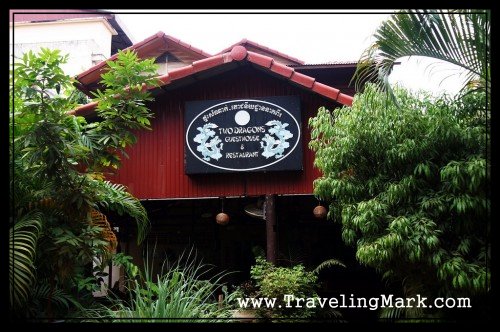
point(243, 135)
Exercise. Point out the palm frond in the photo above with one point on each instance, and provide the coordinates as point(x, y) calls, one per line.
point(42, 292)
point(391, 313)
point(460, 38)
point(116, 197)
point(327, 264)
point(23, 237)
point(408, 314)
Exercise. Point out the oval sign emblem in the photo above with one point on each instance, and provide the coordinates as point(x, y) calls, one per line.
point(243, 135)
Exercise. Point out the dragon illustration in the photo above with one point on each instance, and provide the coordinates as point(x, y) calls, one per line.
point(271, 145)
point(209, 143)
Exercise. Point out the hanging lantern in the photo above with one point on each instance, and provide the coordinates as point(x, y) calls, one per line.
point(222, 218)
point(320, 212)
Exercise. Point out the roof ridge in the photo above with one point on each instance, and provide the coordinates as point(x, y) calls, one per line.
point(270, 50)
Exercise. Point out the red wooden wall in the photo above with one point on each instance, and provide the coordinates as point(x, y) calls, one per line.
point(155, 168)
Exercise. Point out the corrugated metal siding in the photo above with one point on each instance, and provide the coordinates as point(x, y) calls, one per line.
point(156, 165)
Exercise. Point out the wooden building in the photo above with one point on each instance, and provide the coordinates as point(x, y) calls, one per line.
point(237, 96)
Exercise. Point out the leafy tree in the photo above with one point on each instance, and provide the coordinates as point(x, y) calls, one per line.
point(410, 185)
point(58, 165)
point(460, 37)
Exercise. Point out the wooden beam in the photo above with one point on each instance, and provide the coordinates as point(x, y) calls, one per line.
point(271, 235)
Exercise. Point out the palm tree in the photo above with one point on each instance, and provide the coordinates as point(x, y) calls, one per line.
point(459, 37)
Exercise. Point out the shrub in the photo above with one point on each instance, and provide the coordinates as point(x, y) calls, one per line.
point(410, 185)
point(276, 282)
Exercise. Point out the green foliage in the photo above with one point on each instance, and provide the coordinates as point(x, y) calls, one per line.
point(185, 291)
point(275, 282)
point(22, 244)
point(122, 105)
point(131, 270)
point(410, 186)
point(328, 264)
point(460, 37)
point(43, 293)
point(58, 163)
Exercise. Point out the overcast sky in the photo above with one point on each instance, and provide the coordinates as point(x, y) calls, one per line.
point(313, 38)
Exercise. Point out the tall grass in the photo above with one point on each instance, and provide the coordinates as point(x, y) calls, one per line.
point(181, 292)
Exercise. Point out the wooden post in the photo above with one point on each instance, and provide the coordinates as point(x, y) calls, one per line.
point(110, 276)
point(271, 237)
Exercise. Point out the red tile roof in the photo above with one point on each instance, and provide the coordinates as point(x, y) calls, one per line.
point(245, 41)
point(151, 46)
point(240, 53)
